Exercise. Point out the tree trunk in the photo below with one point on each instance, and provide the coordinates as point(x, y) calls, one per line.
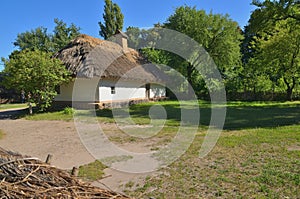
point(289, 93)
point(189, 78)
point(290, 88)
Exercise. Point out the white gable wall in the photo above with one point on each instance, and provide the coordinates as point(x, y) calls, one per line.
point(124, 90)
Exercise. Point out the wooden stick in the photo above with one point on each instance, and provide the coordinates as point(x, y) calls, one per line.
point(49, 158)
point(75, 171)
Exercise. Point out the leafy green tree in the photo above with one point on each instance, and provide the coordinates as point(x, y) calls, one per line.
point(219, 36)
point(32, 69)
point(63, 34)
point(36, 73)
point(39, 39)
point(269, 12)
point(145, 41)
point(134, 37)
point(113, 20)
point(251, 73)
point(279, 54)
point(271, 46)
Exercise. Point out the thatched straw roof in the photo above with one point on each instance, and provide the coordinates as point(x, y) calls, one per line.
point(90, 57)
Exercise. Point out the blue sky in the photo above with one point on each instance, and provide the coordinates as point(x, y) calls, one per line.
point(18, 16)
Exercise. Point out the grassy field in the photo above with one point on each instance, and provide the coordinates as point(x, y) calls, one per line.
point(257, 155)
point(240, 115)
point(64, 115)
point(12, 106)
point(253, 163)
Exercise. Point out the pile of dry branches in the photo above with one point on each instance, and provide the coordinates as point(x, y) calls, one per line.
point(26, 177)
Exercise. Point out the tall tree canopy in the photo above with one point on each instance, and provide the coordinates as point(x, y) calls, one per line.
point(272, 47)
point(113, 20)
point(32, 69)
point(63, 34)
point(217, 34)
point(269, 12)
point(36, 73)
point(39, 39)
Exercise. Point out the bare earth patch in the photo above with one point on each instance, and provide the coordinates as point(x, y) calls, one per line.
point(60, 138)
point(295, 147)
point(40, 138)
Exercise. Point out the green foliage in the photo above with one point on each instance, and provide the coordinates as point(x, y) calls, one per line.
point(113, 20)
point(31, 68)
point(133, 34)
point(62, 34)
point(37, 74)
point(92, 171)
point(272, 46)
point(279, 53)
point(217, 34)
point(69, 111)
point(39, 39)
point(269, 12)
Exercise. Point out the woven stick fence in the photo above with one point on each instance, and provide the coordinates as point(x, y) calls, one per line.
point(27, 177)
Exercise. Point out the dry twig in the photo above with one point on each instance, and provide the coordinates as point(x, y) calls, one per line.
point(26, 177)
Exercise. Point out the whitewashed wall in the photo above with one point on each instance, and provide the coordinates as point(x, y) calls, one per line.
point(157, 90)
point(92, 90)
point(65, 92)
point(86, 90)
point(124, 90)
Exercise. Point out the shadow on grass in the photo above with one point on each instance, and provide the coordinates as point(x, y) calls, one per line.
point(238, 117)
point(13, 114)
point(266, 116)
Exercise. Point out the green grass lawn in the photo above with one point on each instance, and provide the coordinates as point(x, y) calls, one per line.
point(12, 106)
point(257, 155)
point(240, 115)
point(252, 163)
point(59, 115)
point(92, 171)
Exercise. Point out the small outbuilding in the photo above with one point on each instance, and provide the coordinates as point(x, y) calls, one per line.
point(107, 74)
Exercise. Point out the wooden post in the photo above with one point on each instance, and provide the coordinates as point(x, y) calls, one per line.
point(49, 158)
point(30, 108)
point(75, 171)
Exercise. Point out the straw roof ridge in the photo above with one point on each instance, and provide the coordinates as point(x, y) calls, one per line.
point(86, 38)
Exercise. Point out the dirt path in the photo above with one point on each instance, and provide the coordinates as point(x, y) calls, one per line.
point(40, 138)
point(59, 138)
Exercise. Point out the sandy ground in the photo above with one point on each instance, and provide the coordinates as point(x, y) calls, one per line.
point(40, 138)
point(58, 138)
